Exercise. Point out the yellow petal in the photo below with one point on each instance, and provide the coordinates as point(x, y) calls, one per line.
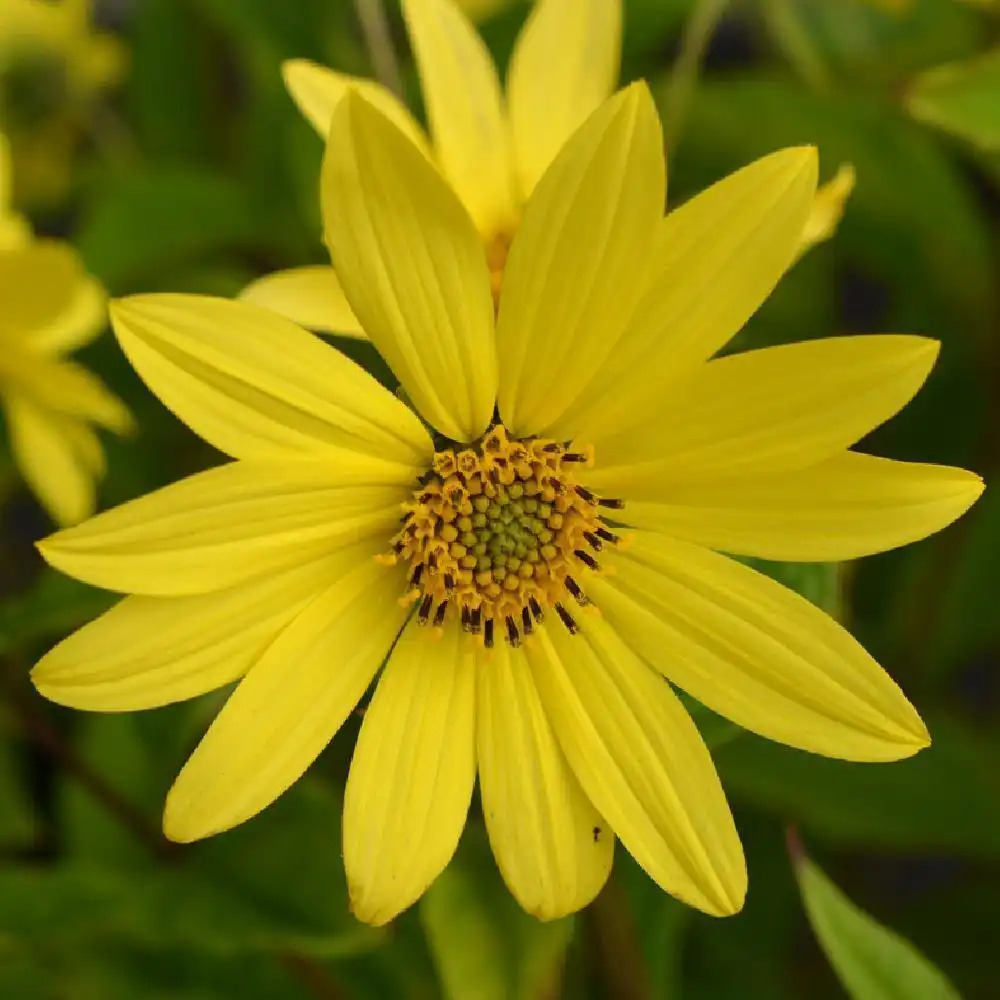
point(465, 110)
point(773, 410)
point(412, 774)
point(553, 848)
point(232, 523)
point(66, 389)
point(848, 506)
point(309, 296)
point(151, 651)
point(84, 318)
point(828, 208)
point(290, 704)
point(565, 63)
point(254, 385)
point(48, 460)
point(413, 268)
point(317, 91)
point(640, 760)
point(578, 262)
point(715, 260)
point(14, 232)
point(755, 652)
point(37, 284)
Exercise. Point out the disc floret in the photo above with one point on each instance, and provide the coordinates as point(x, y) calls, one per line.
point(498, 533)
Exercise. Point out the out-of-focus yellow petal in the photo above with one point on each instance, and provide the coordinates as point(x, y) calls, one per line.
point(84, 318)
point(290, 704)
point(465, 110)
point(413, 268)
point(565, 63)
point(553, 848)
point(578, 263)
point(715, 260)
point(640, 760)
point(828, 208)
point(255, 385)
point(50, 463)
point(37, 284)
point(772, 410)
point(412, 774)
point(848, 506)
point(317, 91)
point(755, 652)
point(232, 523)
point(309, 296)
point(151, 651)
point(65, 388)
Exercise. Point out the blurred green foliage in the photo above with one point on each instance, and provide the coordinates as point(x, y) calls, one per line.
point(199, 175)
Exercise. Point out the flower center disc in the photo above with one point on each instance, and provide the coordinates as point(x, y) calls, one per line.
point(495, 533)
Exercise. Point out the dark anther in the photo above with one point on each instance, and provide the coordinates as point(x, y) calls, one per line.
point(536, 609)
point(587, 495)
point(574, 456)
point(425, 609)
point(513, 636)
point(551, 447)
point(587, 559)
point(578, 595)
point(466, 619)
point(449, 583)
point(488, 633)
point(398, 547)
point(567, 620)
point(439, 614)
point(612, 503)
point(418, 572)
point(595, 543)
point(558, 486)
point(426, 497)
point(526, 623)
point(432, 560)
point(477, 621)
point(608, 536)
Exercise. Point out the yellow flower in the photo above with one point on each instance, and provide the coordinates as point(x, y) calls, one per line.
point(53, 66)
point(581, 459)
point(48, 307)
point(490, 146)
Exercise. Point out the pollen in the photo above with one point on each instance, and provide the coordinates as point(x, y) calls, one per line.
point(498, 535)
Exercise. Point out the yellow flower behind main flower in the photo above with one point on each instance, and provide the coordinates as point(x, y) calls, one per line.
point(49, 306)
point(54, 65)
point(491, 144)
point(578, 458)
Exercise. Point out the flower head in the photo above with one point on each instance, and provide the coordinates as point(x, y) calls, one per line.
point(49, 306)
point(533, 558)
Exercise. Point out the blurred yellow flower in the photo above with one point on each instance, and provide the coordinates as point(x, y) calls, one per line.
point(53, 65)
point(490, 146)
point(581, 459)
point(481, 9)
point(48, 307)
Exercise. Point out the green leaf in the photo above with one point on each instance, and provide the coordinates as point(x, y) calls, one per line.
point(484, 945)
point(943, 799)
point(967, 622)
point(962, 98)
point(871, 961)
point(147, 222)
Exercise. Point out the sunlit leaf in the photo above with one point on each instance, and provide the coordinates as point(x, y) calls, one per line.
point(871, 961)
point(961, 98)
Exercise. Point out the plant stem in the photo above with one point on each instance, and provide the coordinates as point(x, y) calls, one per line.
point(43, 735)
point(686, 70)
point(378, 41)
